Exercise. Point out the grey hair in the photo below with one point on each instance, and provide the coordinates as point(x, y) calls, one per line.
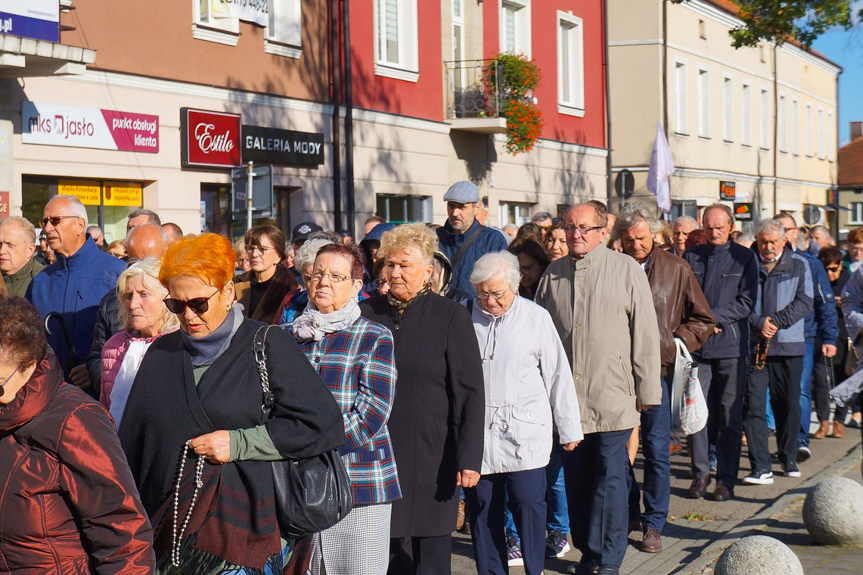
point(23, 224)
point(725, 209)
point(771, 225)
point(148, 269)
point(742, 238)
point(541, 217)
point(152, 217)
point(308, 252)
point(75, 206)
point(496, 264)
point(822, 229)
point(632, 214)
point(688, 220)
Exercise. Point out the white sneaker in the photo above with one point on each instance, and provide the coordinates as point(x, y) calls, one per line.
point(759, 477)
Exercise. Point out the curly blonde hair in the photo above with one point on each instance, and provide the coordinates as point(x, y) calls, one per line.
point(409, 237)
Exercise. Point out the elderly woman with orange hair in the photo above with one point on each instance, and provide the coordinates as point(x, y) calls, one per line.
point(194, 432)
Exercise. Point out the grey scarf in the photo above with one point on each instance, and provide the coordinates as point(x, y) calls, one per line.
point(313, 325)
point(205, 350)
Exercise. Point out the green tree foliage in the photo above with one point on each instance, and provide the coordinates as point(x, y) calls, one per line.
point(783, 20)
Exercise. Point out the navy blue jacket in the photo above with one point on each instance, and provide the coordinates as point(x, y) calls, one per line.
point(450, 241)
point(74, 286)
point(728, 276)
point(822, 322)
point(785, 295)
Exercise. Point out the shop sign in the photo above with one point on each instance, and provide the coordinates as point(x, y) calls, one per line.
point(4, 205)
point(743, 211)
point(209, 139)
point(247, 10)
point(123, 194)
point(727, 190)
point(39, 19)
point(262, 191)
point(287, 147)
point(87, 191)
point(78, 127)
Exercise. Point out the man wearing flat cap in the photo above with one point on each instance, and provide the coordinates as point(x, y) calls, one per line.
point(463, 239)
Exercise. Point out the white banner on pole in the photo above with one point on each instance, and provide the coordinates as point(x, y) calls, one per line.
point(256, 11)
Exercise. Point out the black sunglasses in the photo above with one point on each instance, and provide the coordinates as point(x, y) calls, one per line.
point(55, 221)
point(198, 305)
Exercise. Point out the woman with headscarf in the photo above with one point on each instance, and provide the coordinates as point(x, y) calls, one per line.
point(196, 437)
point(437, 417)
point(69, 502)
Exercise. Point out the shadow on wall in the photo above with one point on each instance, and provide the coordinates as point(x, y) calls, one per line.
point(570, 176)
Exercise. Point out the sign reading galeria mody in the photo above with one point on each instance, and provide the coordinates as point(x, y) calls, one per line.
point(39, 19)
point(77, 127)
point(247, 10)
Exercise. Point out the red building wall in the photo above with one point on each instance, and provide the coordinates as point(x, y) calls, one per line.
point(589, 130)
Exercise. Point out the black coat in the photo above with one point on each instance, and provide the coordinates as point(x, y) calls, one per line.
point(437, 419)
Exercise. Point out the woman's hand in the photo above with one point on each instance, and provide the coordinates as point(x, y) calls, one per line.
point(216, 446)
point(466, 478)
point(570, 446)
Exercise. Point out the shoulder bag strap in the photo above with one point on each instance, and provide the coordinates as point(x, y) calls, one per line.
point(474, 236)
point(259, 348)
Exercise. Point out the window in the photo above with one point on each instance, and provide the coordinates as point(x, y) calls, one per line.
point(821, 133)
point(284, 28)
point(728, 109)
point(703, 103)
point(213, 23)
point(403, 209)
point(781, 120)
point(795, 127)
point(514, 213)
point(570, 64)
point(764, 124)
point(746, 115)
point(396, 48)
point(831, 145)
point(808, 121)
point(515, 26)
point(680, 95)
point(856, 215)
point(702, 31)
point(684, 208)
point(458, 42)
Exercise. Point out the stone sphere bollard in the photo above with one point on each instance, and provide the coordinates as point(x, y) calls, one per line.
point(758, 555)
point(833, 512)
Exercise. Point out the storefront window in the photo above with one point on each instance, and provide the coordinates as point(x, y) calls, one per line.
point(216, 216)
point(108, 203)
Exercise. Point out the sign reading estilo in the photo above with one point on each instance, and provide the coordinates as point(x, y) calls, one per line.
point(287, 147)
point(209, 139)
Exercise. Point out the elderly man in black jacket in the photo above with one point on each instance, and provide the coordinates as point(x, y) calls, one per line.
point(728, 275)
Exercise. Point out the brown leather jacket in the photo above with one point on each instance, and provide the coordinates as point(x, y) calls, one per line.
point(681, 308)
point(68, 504)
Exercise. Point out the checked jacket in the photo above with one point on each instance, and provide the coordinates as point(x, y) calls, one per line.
point(358, 366)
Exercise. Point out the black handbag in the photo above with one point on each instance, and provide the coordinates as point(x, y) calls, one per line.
point(312, 494)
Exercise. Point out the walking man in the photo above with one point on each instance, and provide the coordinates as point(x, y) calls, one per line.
point(602, 308)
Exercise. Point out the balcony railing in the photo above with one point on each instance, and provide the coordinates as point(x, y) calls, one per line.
point(469, 92)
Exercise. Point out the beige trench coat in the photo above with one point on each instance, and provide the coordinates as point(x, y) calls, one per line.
point(603, 310)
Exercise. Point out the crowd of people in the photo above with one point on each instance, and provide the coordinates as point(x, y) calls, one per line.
point(498, 381)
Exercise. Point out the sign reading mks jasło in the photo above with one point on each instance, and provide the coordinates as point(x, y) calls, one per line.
point(286, 147)
point(209, 139)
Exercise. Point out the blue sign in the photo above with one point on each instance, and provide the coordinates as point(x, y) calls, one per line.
point(38, 19)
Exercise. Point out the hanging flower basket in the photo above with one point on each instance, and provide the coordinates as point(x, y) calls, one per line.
point(515, 76)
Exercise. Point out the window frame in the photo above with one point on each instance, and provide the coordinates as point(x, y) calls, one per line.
point(746, 114)
point(522, 24)
point(795, 126)
point(681, 97)
point(855, 217)
point(425, 205)
point(765, 118)
point(407, 67)
point(781, 123)
point(807, 120)
point(703, 89)
point(727, 108)
point(290, 47)
point(218, 30)
point(576, 105)
point(503, 212)
point(820, 126)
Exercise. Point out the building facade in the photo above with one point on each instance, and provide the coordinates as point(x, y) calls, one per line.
point(850, 193)
point(154, 105)
point(753, 126)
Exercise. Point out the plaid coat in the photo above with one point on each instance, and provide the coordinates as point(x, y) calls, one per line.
point(358, 367)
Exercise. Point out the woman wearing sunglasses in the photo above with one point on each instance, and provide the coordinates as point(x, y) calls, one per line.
point(195, 436)
point(145, 318)
point(262, 289)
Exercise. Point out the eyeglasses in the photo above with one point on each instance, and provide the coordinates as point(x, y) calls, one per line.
point(334, 278)
point(55, 221)
point(855, 249)
point(380, 283)
point(582, 230)
point(260, 249)
point(496, 295)
point(833, 269)
point(198, 305)
point(7, 380)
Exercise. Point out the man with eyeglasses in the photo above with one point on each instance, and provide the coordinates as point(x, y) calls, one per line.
point(74, 284)
point(602, 307)
point(543, 221)
point(854, 257)
point(728, 275)
point(17, 248)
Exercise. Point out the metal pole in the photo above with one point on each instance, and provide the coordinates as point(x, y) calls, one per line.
point(249, 191)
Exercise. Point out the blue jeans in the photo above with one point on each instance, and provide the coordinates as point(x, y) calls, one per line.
point(656, 437)
point(805, 392)
point(558, 510)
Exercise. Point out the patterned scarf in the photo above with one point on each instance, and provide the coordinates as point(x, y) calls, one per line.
point(313, 325)
point(400, 306)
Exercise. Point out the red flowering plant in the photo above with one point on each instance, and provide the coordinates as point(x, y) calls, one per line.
point(514, 77)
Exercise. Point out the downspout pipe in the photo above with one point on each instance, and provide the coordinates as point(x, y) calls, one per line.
point(349, 120)
point(609, 183)
point(775, 129)
point(335, 98)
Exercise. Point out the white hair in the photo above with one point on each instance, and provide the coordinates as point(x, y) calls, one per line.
point(687, 220)
point(23, 224)
point(76, 208)
point(308, 252)
point(496, 264)
point(771, 225)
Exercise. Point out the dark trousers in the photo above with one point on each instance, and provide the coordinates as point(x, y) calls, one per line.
point(782, 376)
point(723, 382)
point(486, 505)
point(655, 440)
point(596, 487)
point(821, 386)
point(421, 555)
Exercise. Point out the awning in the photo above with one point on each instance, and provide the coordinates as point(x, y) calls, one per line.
point(27, 58)
point(836, 208)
